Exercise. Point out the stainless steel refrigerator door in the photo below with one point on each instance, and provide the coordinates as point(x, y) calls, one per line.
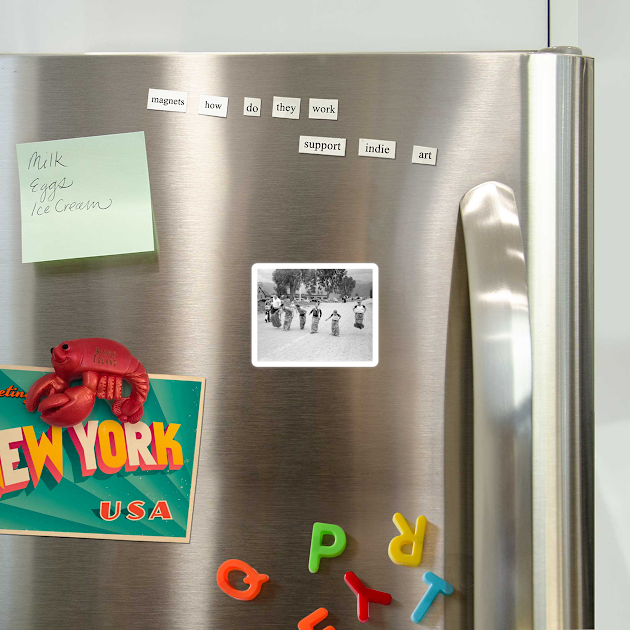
point(283, 448)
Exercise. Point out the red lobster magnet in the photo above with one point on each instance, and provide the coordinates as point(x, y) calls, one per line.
point(102, 364)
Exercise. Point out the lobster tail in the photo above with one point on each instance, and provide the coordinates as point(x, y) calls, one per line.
point(139, 381)
point(130, 409)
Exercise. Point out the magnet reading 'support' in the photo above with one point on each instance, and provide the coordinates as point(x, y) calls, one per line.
point(102, 364)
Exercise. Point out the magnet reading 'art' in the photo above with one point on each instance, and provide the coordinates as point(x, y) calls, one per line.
point(252, 577)
point(319, 550)
point(102, 364)
point(407, 537)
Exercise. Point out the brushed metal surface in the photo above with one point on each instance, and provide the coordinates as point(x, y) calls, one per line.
point(502, 372)
point(560, 274)
point(281, 448)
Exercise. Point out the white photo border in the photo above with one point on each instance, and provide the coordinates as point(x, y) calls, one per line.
point(305, 265)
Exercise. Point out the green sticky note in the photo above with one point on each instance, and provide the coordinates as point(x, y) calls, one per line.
point(85, 197)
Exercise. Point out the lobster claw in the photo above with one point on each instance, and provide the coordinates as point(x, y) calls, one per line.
point(43, 386)
point(68, 408)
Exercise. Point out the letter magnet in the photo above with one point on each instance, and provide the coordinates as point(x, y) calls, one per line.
point(319, 551)
point(252, 577)
point(407, 537)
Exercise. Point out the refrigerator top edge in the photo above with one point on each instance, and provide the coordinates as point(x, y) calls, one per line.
point(543, 51)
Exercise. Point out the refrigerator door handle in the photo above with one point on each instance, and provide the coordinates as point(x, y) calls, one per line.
point(502, 374)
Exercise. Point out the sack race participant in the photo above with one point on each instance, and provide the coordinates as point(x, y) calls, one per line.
point(267, 311)
point(335, 323)
point(302, 313)
point(359, 314)
point(275, 311)
point(316, 312)
point(288, 315)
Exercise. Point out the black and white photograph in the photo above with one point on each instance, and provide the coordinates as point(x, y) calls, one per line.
point(321, 314)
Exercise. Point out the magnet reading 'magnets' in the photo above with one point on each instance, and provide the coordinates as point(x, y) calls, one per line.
point(102, 364)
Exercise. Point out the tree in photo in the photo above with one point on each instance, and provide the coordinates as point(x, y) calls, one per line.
point(288, 281)
point(327, 279)
point(346, 286)
point(280, 289)
point(309, 279)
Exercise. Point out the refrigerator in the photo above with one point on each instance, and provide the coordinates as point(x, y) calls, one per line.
point(476, 410)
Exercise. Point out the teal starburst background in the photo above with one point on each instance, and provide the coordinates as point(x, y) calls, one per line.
point(72, 505)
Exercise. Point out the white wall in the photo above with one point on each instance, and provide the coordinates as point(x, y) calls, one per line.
point(603, 27)
point(36, 26)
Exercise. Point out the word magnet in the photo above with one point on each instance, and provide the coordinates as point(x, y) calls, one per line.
point(167, 100)
point(323, 108)
point(407, 537)
point(213, 106)
point(251, 106)
point(436, 586)
point(285, 107)
point(252, 577)
point(377, 148)
point(424, 155)
point(322, 146)
point(365, 596)
point(319, 550)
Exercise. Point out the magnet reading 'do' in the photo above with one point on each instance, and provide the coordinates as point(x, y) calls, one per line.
point(102, 364)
